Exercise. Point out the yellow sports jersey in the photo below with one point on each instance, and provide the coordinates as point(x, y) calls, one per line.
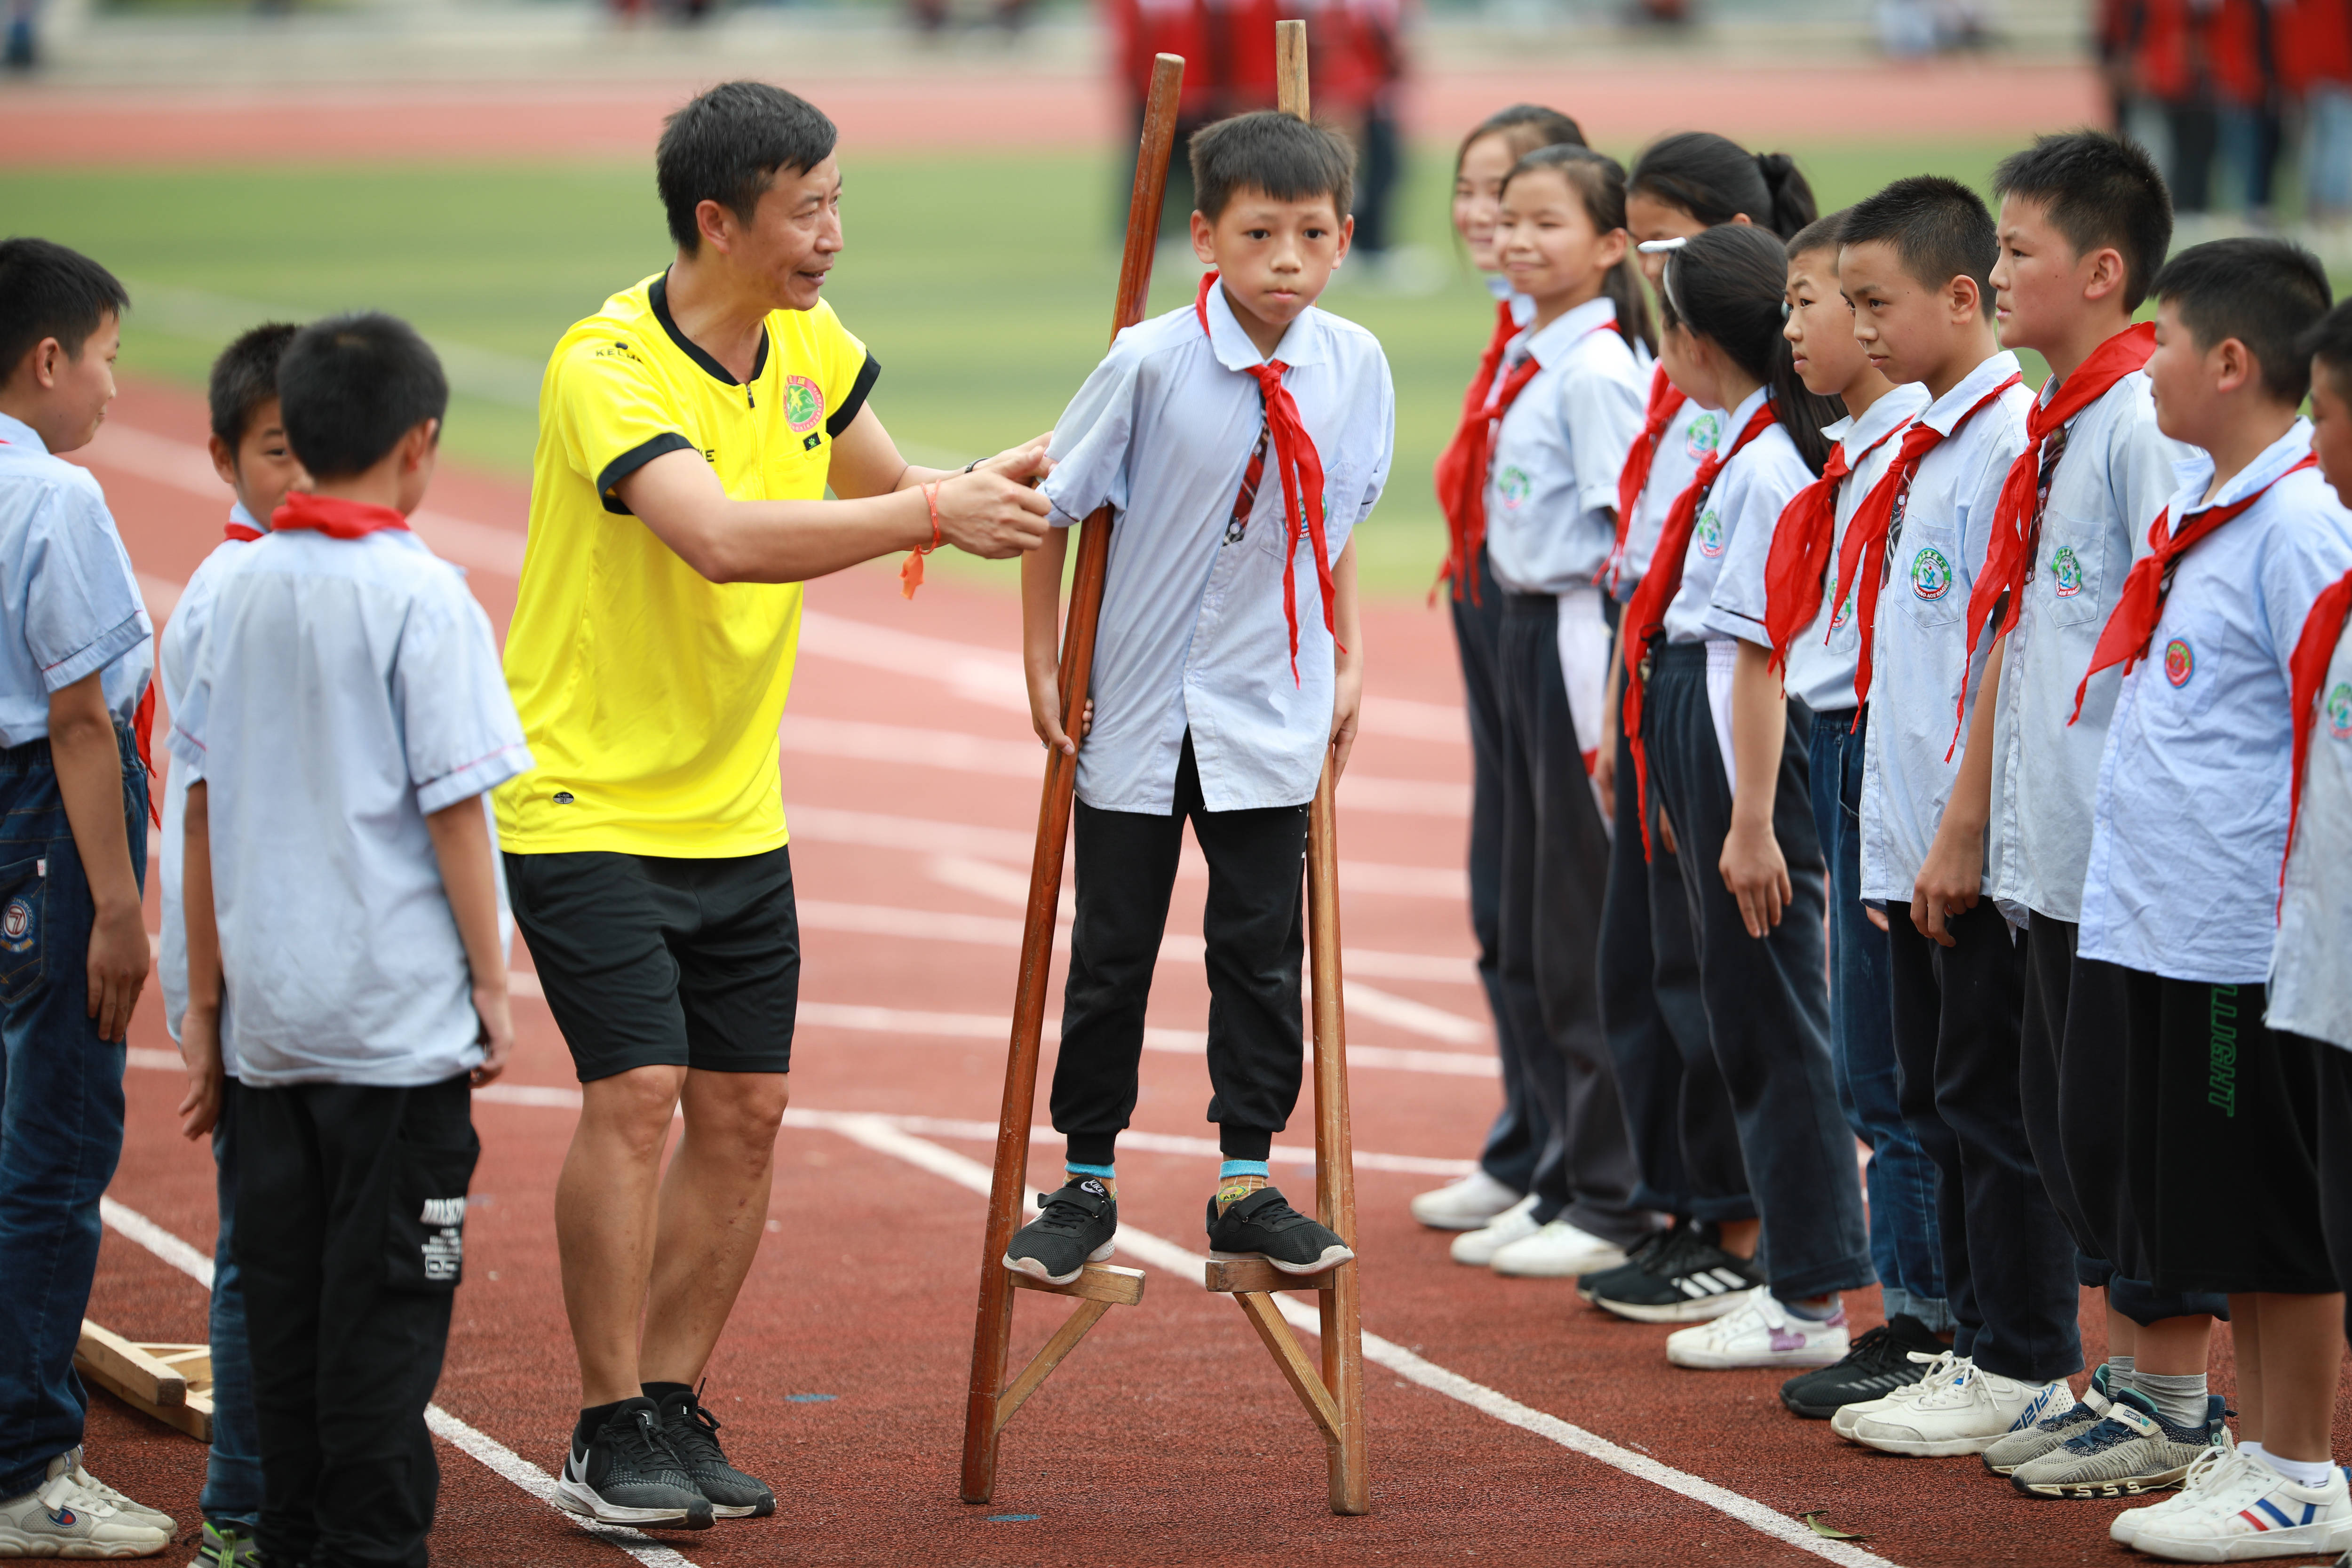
point(651, 695)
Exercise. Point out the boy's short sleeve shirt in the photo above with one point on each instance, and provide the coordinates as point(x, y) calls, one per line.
point(68, 593)
point(2116, 473)
point(1688, 438)
point(2190, 821)
point(1754, 489)
point(1551, 486)
point(1193, 634)
point(345, 690)
point(652, 696)
point(1920, 669)
point(2311, 984)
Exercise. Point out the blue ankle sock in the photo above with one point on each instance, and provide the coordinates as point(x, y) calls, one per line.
point(1812, 1314)
point(1243, 1168)
point(1102, 1173)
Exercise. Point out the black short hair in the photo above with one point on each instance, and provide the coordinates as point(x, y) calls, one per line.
point(1821, 233)
point(245, 377)
point(727, 146)
point(2329, 346)
point(1524, 127)
point(350, 387)
point(2266, 294)
point(1288, 158)
point(1727, 284)
point(1939, 228)
point(2099, 190)
point(48, 291)
point(1716, 180)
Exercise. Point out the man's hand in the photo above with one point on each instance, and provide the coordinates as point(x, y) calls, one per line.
point(1950, 880)
point(1346, 712)
point(494, 1008)
point(200, 1107)
point(1758, 875)
point(1025, 464)
point(984, 513)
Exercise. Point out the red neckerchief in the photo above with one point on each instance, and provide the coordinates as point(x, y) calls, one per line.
point(1866, 536)
point(1799, 556)
point(335, 519)
point(2124, 639)
point(2017, 521)
point(1667, 400)
point(1646, 617)
point(1301, 467)
point(1459, 468)
point(2312, 652)
point(240, 532)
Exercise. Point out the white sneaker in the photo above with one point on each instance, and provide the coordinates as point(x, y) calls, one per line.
point(1477, 1248)
point(61, 1519)
point(70, 1464)
point(1469, 1203)
point(1966, 1415)
point(1759, 1331)
point(1937, 1371)
point(2249, 1511)
point(2216, 1466)
point(1558, 1251)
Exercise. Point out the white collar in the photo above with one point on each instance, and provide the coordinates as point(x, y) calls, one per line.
point(1551, 345)
point(1741, 416)
point(16, 433)
point(1946, 413)
point(1301, 344)
point(236, 513)
point(2275, 460)
point(1893, 410)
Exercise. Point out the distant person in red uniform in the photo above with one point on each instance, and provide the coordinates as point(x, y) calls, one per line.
point(2313, 44)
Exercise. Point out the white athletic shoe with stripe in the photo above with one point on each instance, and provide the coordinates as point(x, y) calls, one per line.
point(2240, 1508)
point(1967, 1415)
point(1759, 1331)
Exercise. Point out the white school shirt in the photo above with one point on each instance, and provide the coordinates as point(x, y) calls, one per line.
point(68, 595)
point(2114, 476)
point(1754, 488)
point(2311, 983)
point(1193, 634)
point(1917, 672)
point(1743, 487)
point(2191, 816)
point(182, 642)
point(346, 689)
point(1688, 438)
point(1551, 483)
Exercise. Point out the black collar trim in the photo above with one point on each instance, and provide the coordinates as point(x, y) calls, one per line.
point(658, 296)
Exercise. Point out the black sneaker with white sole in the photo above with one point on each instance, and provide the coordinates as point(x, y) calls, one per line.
point(627, 1474)
point(1638, 1258)
point(1264, 1223)
point(1875, 1366)
point(1074, 1228)
point(693, 1435)
point(1692, 1281)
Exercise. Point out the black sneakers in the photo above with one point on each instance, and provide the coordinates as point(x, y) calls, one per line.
point(627, 1474)
point(693, 1435)
point(1686, 1279)
point(1878, 1363)
point(1074, 1228)
point(1264, 1224)
point(1638, 1256)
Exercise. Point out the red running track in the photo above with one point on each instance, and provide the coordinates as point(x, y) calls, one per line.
point(1167, 1438)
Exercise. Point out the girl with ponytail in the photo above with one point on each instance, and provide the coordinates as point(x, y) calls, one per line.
point(1723, 755)
point(1505, 1173)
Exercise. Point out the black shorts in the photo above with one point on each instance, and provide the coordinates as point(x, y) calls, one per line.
point(2336, 1159)
point(648, 961)
point(2220, 1145)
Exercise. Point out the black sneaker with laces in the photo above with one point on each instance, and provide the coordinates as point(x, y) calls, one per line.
point(627, 1474)
point(1875, 1366)
point(693, 1434)
point(1264, 1224)
point(1690, 1281)
point(1638, 1258)
point(1074, 1228)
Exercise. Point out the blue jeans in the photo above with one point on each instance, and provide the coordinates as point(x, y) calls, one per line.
point(1905, 1244)
point(60, 1105)
point(232, 1493)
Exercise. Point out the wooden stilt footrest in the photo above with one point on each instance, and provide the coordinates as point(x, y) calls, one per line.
point(173, 1383)
point(1238, 1271)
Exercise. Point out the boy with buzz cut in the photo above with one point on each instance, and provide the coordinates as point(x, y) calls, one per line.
point(345, 916)
point(2084, 223)
point(2220, 1112)
point(1241, 439)
point(250, 453)
point(1916, 260)
point(75, 703)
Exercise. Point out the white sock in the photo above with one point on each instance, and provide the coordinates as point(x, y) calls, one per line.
point(2311, 1473)
point(2252, 1450)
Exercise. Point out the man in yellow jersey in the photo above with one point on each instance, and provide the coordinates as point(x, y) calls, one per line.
point(688, 434)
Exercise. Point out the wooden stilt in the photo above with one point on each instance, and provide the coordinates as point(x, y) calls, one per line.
point(173, 1383)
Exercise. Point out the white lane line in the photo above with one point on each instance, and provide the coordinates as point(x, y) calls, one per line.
point(1159, 1253)
point(138, 1229)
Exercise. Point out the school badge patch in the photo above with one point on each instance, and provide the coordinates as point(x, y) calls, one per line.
point(2179, 663)
point(1710, 534)
point(16, 926)
point(2339, 713)
point(804, 403)
point(1512, 486)
point(1704, 432)
point(1931, 574)
point(1830, 592)
point(2065, 573)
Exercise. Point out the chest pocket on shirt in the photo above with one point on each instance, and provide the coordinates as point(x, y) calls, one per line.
point(2070, 580)
point(1928, 576)
point(1272, 528)
point(2184, 664)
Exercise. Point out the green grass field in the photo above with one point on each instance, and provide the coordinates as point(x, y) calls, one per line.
point(982, 283)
